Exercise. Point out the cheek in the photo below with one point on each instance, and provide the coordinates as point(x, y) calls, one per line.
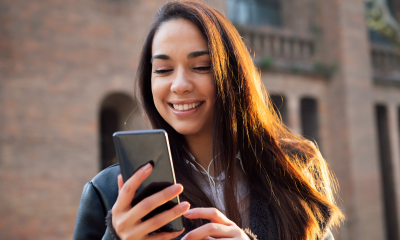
point(159, 94)
point(211, 88)
point(156, 87)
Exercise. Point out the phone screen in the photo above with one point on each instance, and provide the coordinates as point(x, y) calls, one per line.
point(135, 149)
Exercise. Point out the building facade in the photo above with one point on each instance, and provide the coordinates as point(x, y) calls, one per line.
point(67, 73)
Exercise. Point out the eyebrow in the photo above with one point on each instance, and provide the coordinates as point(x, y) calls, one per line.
point(160, 56)
point(190, 55)
point(197, 54)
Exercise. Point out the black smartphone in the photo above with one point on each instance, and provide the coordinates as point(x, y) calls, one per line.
point(135, 149)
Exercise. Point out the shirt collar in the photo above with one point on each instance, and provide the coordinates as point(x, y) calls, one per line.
point(222, 175)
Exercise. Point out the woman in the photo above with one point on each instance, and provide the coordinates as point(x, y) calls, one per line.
point(241, 171)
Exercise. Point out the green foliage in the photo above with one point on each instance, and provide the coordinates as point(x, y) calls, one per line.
point(319, 68)
point(325, 70)
point(266, 62)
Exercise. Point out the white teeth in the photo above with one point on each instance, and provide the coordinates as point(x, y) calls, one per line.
point(184, 107)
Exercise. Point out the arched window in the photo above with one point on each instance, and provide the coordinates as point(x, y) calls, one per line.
point(280, 106)
point(309, 119)
point(117, 113)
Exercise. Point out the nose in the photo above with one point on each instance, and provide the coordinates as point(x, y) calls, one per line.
point(182, 83)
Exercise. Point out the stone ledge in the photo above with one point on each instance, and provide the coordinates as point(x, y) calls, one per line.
point(387, 82)
point(308, 68)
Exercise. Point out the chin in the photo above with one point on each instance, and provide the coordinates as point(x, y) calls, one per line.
point(185, 130)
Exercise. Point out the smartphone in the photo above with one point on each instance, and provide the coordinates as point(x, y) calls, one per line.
point(134, 149)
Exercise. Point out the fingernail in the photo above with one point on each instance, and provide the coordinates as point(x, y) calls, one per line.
point(176, 187)
point(146, 168)
point(184, 205)
point(188, 213)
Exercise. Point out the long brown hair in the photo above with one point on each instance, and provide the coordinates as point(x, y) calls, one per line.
point(284, 169)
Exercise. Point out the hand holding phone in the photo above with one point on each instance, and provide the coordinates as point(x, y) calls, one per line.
point(155, 195)
point(127, 219)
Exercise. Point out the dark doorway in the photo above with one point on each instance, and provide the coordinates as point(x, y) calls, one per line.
point(389, 195)
point(398, 126)
point(108, 125)
point(309, 119)
point(118, 112)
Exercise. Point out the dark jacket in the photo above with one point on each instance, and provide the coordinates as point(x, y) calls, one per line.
point(100, 194)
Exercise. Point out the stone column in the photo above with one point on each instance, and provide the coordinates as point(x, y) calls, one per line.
point(353, 152)
point(293, 106)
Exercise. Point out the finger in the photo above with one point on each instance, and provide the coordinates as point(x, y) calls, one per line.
point(163, 218)
point(214, 230)
point(164, 235)
point(152, 202)
point(128, 189)
point(120, 182)
point(211, 214)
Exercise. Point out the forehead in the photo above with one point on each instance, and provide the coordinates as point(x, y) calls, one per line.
point(177, 36)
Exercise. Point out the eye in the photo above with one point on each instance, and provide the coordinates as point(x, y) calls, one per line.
point(202, 69)
point(163, 71)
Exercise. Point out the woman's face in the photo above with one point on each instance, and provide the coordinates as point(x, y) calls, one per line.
point(182, 82)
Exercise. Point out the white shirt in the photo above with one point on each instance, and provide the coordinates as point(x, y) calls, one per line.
point(216, 194)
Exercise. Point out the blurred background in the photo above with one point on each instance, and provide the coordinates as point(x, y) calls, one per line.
point(67, 71)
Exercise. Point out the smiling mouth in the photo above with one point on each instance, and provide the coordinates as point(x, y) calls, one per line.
point(186, 107)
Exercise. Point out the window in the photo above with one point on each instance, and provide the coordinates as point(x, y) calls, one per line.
point(383, 19)
point(309, 119)
point(255, 12)
point(394, 8)
point(389, 195)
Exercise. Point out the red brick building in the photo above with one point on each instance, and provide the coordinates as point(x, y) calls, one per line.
point(67, 71)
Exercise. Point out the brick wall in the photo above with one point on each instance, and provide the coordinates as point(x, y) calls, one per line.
point(60, 59)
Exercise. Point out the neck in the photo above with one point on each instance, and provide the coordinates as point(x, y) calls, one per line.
point(201, 149)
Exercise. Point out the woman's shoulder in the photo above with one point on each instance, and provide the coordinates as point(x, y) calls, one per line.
point(107, 176)
point(98, 197)
point(105, 184)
